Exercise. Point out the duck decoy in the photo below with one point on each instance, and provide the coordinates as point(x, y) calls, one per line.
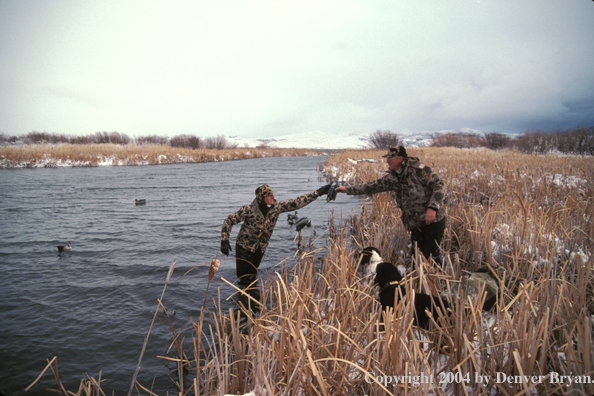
point(332, 192)
point(62, 248)
point(140, 201)
point(292, 218)
point(302, 222)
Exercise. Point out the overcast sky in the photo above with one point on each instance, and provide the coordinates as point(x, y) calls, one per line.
point(270, 68)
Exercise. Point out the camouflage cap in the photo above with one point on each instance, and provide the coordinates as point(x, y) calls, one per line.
point(396, 151)
point(263, 191)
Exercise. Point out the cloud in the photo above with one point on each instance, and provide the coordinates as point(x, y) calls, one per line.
point(266, 68)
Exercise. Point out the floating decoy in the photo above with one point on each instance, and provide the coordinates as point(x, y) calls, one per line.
point(63, 248)
point(302, 222)
point(292, 218)
point(140, 201)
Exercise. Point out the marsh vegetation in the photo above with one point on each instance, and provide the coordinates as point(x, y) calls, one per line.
point(528, 217)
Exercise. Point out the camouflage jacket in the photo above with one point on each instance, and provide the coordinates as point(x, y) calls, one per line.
point(256, 229)
point(415, 189)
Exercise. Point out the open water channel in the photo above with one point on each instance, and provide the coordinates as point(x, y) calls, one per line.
point(91, 307)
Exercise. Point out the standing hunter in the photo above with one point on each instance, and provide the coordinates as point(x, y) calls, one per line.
point(259, 219)
point(419, 193)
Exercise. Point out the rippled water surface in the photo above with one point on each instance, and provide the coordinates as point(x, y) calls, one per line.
point(92, 306)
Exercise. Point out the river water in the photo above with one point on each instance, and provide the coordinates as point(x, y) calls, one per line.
point(91, 307)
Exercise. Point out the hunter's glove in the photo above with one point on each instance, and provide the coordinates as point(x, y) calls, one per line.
point(323, 190)
point(225, 248)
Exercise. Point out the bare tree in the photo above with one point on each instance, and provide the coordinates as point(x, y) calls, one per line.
point(458, 140)
point(188, 141)
point(151, 139)
point(383, 139)
point(6, 139)
point(44, 138)
point(577, 141)
point(119, 138)
point(101, 137)
point(496, 141)
point(218, 142)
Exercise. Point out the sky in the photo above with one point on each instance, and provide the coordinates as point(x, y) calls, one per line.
point(269, 68)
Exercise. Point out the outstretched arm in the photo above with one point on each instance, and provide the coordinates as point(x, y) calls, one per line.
point(297, 203)
point(230, 220)
point(376, 186)
point(323, 190)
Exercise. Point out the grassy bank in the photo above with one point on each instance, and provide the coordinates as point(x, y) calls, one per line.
point(529, 217)
point(69, 155)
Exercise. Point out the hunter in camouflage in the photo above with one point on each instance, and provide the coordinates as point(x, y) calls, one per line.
point(259, 219)
point(419, 193)
point(257, 228)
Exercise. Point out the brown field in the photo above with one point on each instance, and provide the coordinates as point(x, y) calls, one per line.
point(529, 217)
point(50, 156)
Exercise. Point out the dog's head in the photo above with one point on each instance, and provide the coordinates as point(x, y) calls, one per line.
point(370, 257)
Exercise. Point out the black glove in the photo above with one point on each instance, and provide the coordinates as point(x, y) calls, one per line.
point(323, 190)
point(225, 248)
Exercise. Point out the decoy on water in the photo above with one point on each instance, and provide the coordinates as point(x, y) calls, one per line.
point(302, 222)
point(140, 201)
point(63, 248)
point(292, 218)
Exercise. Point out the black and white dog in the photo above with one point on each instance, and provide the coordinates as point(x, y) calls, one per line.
point(370, 257)
point(389, 280)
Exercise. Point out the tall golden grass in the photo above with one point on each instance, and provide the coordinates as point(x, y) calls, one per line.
point(44, 155)
point(318, 331)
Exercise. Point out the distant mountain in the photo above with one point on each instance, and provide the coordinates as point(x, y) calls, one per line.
point(310, 140)
point(334, 141)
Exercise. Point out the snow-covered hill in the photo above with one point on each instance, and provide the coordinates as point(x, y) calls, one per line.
point(328, 140)
point(311, 140)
